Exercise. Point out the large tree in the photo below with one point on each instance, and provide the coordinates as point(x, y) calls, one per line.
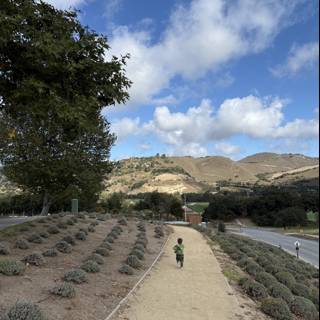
point(55, 80)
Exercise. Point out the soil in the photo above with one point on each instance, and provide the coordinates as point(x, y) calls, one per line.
point(94, 300)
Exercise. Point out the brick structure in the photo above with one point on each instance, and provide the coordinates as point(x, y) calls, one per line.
point(191, 216)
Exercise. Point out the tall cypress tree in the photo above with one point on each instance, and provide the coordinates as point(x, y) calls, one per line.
point(54, 82)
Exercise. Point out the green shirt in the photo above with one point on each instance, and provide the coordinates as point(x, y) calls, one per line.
point(179, 249)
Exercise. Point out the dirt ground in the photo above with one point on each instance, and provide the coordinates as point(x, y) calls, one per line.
point(95, 299)
point(197, 292)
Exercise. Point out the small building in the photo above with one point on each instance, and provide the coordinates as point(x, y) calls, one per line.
point(191, 216)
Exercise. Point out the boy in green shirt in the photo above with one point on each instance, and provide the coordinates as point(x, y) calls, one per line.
point(179, 251)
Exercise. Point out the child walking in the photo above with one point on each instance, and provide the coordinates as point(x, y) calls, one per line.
point(179, 251)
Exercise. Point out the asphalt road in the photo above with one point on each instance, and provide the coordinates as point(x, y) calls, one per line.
point(9, 221)
point(309, 250)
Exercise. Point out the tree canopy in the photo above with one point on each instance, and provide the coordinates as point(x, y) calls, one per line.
point(55, 80)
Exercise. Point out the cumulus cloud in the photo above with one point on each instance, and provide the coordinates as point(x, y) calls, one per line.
point(300, 58)
point(199, 38)
point(125, 127)
point(65, 4)
point(190, 132)
point(227, 149)
point(145, 146)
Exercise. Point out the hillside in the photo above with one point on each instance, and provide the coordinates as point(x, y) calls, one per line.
point(188, 174)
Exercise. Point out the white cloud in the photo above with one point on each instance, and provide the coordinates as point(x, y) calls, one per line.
point(112, 7)
point(125, 127)
point(191, 131)
point(300, 58)
point(227, 149)
point(145, 146)
point(65, 4)
point(199, 38)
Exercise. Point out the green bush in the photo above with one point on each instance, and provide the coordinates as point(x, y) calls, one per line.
point(81, 236)
point(21, 244)
point(90, 266)
point(4, 249)
point(25, 311)
point(113, 234)
point(126, 270)
point(254, 289)
point(266, 279)
point(134, 262)
point(139, 247)
point(12, 267)
point(44, 234)
point(69, 239)
point(109, 239)
point(304, 308)
point(94, 223)
point(253, 268)
point(243, 262)
point(123, 221)
point(53, 229)
point(64, 290)
point(102, 251)
point(76, 276)
point(221, 227)
point(286, 278)
point(35, 259)
point(91, 229)
point(138, 253)
point(314, 296)
point(62, 225)
point(276, 308)
point(273, 268)
point(301, 290)
point(96, 257)
point(84, 231)
point(281, 291)
point(63, 246)
point(35, 238)
point(141, 242)
point(106, 245)
point(50, 253)
point(70, 222)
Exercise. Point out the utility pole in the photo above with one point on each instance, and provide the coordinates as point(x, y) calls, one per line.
point(185, 208)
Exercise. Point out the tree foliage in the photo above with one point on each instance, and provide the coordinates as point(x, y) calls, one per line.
point(54, 83)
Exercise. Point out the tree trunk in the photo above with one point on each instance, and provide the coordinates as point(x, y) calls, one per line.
point(45, 204)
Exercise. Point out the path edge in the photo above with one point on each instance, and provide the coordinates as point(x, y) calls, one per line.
point(124, 300)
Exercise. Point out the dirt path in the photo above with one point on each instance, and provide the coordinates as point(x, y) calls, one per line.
point(198, 292)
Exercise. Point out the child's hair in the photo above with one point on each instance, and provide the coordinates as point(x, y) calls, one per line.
point(180, 241)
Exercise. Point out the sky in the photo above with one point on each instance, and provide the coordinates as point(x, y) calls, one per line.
point(212, 77)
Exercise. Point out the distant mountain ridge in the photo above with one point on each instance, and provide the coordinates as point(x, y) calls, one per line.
point(188, 174)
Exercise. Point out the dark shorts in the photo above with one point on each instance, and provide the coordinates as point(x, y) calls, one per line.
point(180, 257)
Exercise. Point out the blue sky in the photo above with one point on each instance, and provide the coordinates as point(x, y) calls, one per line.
point(212, 77)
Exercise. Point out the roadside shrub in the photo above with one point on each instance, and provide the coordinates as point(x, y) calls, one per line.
point(96, 257)
point(91, 229)
point(134, 262)
point(279, 290)
point(101, 217)
point(138, 253)
point(53, 229)
point(63, 246)
point(70, 222)
point(266, 279)
point(123, 221)
point(102, 251)
point(44, 234)
point(76, 276)
point(286, 278)
point(35, 259)
point(141, 227)
point(109, 239)
point(64, 290)
point(25, 311)
point(273, 268)
point(117, 229)
point(62, 225)
point(314, 296)
point(276, 308)
point(139, 247)
point(21, 244)
point(69, 239)
point(142, 243)
point(243, 262)
point(50, 253)
point(106, 245)
point(94, 223)
point(90, 266)
point(221, 227)
point(253, 268)
point(80, 236)
point(74, 219)
point(113, 234)
point(304, 308)
point(301, 290)
point(126, 270)
point(12, 267)
point(35, 238)
point(254, 289)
